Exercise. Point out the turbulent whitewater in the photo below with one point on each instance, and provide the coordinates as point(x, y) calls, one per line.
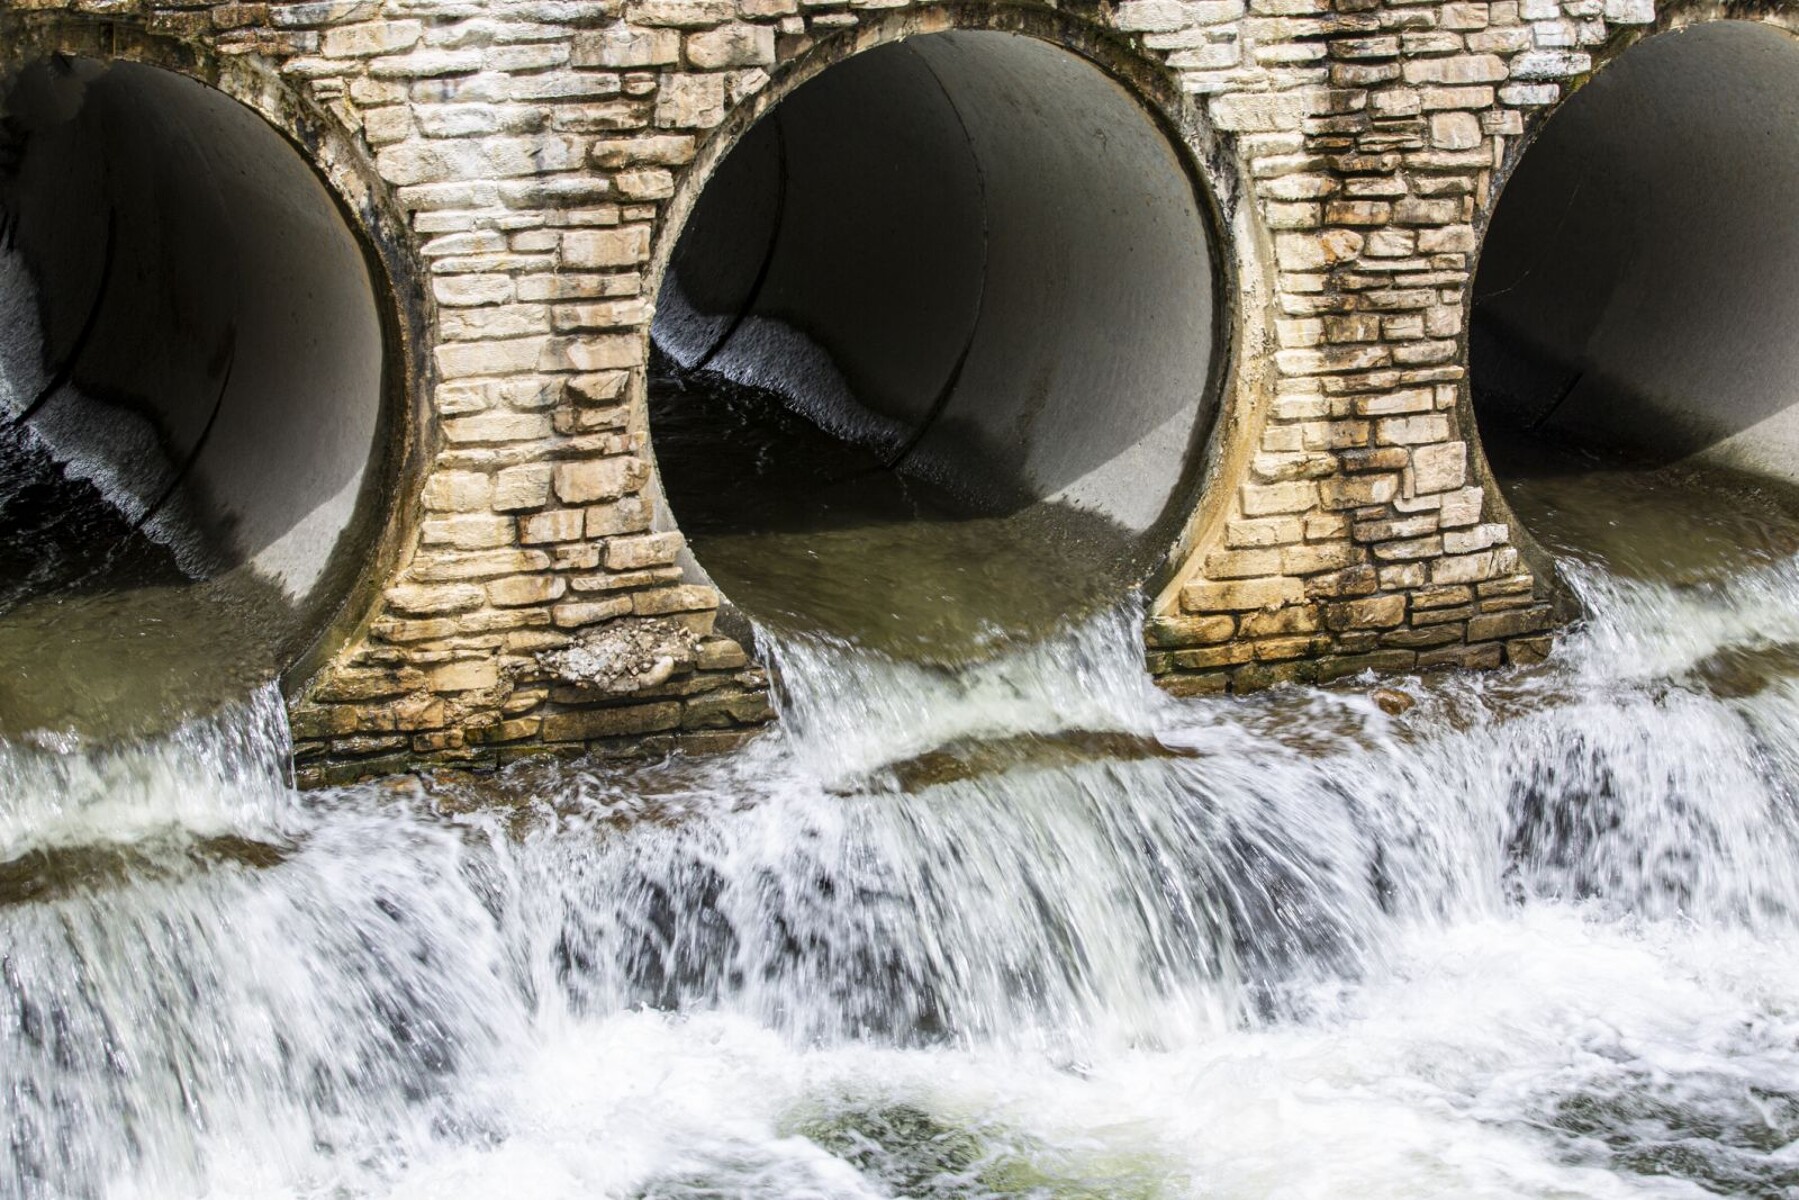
point(1027, 928)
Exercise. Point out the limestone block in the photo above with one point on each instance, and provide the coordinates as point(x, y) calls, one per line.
point(663, 150)
point(682, 14)
point(610, 116)
point(1461, 507)
point(1408, 548)
point(588, 724)
point(502, 357)
point(1267, 531)
point(599, 479)
point(685, 598)
point(1455, 130)
point(1374, 612)
point(467, 676)
point(469, 290)
point(1249, 112)
point(690, 101)
point(478, 564)
point(467, 531)
point(1242, 564)
point(1311, 252)
point(1435, 99)
point(608, 314)
point(437, 598)
point(1480, 537)
point(427, 64)
point(566, 85)
point(522, 487)
point(733, 45)
point(426, 161)
point(559, 525)
point(321, 12)
point(526, 589)
point(1315, 557)
point(457, 491)
point(645, 184)
point(628, 515)
point(1357, 491)
point(1411, 431)
point(493, 427)
point(1262, 500)
point(1439, 468)
point(1551, 64)
point(1463, 568)
point(1280, 622)
point(621, 45)
point(601, 351)
point(1190, 631)
point(649, 550)
point(1526, 95)
point(368, 38)
point(493, 322)
point(603, 248)
point(1386, 404)
point(1236, 595)
point(589, 612)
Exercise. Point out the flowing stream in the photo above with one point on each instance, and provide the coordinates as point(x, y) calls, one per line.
point(1023, 928)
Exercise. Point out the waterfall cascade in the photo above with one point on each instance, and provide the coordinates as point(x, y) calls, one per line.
point(1027, 928)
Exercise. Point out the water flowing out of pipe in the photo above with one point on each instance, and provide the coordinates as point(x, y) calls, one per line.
point(1027, 928)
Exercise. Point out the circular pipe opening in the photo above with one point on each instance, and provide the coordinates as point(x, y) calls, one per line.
point(191, 381)
point(1638, 288)
point(933, 352)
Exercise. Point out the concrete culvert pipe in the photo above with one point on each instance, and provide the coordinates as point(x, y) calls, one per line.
point(191, 381)
point(976, 265)
point(1638, 289)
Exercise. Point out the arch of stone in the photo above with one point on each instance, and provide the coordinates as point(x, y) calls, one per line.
point(527, 171)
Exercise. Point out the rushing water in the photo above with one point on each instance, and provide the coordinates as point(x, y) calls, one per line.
point(1027, 928)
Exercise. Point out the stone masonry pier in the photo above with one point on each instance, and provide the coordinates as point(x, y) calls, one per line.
point(518, 173)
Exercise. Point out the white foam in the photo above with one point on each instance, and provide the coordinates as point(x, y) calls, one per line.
point(1325, 952)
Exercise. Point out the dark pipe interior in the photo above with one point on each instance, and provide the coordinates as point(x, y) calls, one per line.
point(938, 335)
point(1638, 290)
point(190, 391)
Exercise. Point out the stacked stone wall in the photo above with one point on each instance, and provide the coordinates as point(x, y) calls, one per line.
point(535, 151)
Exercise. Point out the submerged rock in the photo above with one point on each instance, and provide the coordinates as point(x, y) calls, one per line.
point(1392, 701)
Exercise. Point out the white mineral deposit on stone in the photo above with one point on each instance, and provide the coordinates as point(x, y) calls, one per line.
point(626, 656)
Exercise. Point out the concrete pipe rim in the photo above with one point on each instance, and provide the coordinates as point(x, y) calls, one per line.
point(383, 516)
point(1154, 98)
point(1634, 59)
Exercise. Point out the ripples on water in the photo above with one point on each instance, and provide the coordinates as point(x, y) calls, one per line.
point(1026, 929)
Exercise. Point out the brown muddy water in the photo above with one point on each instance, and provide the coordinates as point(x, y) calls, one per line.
point(813, 535)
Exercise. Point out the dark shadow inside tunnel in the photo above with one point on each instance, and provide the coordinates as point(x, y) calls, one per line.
point(1638, 289)
point(934, 349)
point(191, 383)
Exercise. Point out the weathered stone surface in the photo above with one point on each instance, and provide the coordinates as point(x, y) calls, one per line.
point(539, 149)
point(734, 45)
point(626, 657)
point(599, 479)
point(623, 45)
point(588, 724)
point(690, 101)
